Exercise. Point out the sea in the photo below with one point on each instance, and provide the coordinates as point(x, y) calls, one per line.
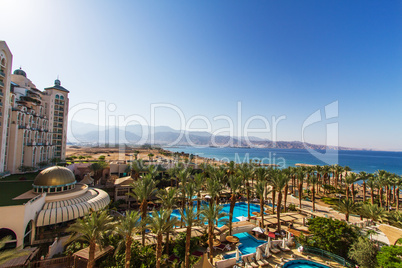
point(368, 161)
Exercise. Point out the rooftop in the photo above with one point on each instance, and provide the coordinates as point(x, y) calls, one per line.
point(12, 189)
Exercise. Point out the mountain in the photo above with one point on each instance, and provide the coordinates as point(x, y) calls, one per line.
point(82, 133)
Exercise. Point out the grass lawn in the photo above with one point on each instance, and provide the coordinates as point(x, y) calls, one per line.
point(9, 190)
point(21, 177)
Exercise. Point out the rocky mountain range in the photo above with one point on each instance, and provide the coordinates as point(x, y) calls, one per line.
point(91, 134)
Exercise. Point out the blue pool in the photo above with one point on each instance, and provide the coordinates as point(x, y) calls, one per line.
point(240, 209)
point(248, 244)
point(303, 264)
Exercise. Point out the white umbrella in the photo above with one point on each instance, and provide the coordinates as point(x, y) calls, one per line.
point(242, 218)
point(258, 229)
point(258, 255)
point(284, 243)
point(207, 197)
point(237, 254)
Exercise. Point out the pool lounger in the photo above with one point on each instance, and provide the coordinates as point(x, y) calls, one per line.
point(251, 261)
point(285, 248)
point(275, 250)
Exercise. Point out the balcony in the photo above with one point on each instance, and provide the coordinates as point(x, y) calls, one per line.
point(2, 74)
point(1, 93)
point(1, 84)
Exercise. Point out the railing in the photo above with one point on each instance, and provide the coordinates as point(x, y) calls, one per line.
point(326, 254)
point(2, 74)
point(55, 262)
point(1, 83)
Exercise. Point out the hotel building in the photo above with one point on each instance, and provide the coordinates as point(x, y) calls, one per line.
point(33, 128)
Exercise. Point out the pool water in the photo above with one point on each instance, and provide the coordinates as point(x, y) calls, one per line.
point(240, 209)
point(248, 245)
point(303, 264)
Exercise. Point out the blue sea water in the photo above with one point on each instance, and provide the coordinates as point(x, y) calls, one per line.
point(368, 161)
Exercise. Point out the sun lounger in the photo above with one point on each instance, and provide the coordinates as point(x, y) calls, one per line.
point(284, 249)
point(275, 250)
point(221, 247)
point(262, 262)
point(252, 263)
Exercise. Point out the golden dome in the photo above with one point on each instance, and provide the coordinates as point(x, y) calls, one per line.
point(54, 176)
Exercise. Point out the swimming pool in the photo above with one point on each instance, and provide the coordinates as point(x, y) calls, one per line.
point(240, 209)
point(303, 264)
point(248, 245)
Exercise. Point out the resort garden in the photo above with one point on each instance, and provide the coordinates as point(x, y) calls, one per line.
point(181, 213)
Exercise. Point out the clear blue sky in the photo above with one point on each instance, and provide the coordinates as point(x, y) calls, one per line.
point(277, 58)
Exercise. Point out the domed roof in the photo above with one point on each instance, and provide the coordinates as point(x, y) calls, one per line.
point(54, 176)
point(20, 72)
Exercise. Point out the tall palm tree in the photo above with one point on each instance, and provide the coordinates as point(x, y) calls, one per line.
point(235, 183)
point(135, 168)
point(382, 180)
point(126, 227)
point(213, 187)
point(10, 254)
point(190, 219)
point(246, 171)
point(279, 182)
point(92, 229)
point(260, 189)
point(199, 181)
point(313, 180)
point(161, 223)
point(168, 199)
point(364, 177)
point(301, 174)
point(142, 190)
point(347, 207)
point(350, 180)
point(261, 174)
point(211, 214)
point(371, 183)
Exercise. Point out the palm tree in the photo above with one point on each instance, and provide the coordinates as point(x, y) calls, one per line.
point(373, 212)
point(97, 168)
point(161, 223)
point(168, 199)
point(395, 218)
point(279, 182)
point(364, 177)
point(213, 188)
point(371, 183)
point(142, 190)
point(300, 176)
point(260, 189)
point(313, 179)
point(247, 172)
point(347, 207)
point(199, 181)
point(126, 227)
point(92, 229)
point(10, 254)
point(235, 183)
point(350, 180)
point(211, 214)
point(190, 219)
point(150, 155)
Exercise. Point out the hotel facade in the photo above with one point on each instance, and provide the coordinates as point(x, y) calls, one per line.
point(33, 123)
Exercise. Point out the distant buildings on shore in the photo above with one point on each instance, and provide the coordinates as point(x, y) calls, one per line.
point(33, 123)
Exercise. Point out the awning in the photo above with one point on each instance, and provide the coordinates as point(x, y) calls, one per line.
point(70, 209)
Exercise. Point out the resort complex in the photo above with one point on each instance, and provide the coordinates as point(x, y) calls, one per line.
point(200, 134)
point(162, 209)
